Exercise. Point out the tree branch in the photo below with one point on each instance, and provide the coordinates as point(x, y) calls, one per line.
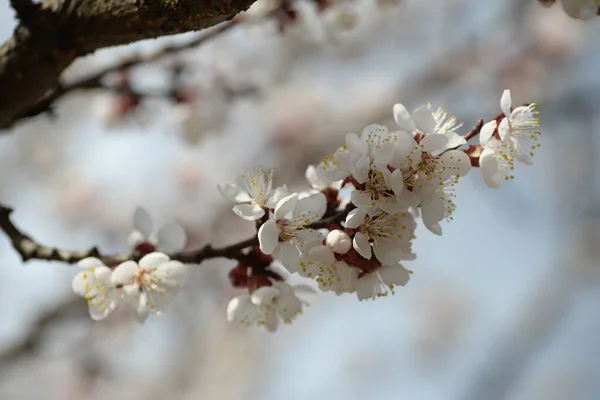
point(47, 40)
point(30, 249)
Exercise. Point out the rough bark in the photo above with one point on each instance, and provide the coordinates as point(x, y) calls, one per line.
point(50, 37)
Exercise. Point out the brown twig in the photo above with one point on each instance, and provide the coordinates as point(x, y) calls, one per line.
point(30, 249)
point(475, 131)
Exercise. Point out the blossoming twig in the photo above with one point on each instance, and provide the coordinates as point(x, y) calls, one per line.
point(30, 249)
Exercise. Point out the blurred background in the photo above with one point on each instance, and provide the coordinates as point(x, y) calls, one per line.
point(506, 305)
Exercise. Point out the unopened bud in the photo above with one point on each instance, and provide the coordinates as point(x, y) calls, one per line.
point(238, 276)
point(339, 241)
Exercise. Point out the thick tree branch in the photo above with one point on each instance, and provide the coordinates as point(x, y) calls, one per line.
point(30, 249)
point(50, 38)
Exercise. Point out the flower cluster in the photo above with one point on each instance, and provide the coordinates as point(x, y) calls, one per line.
point(147, 286)
point(579, 9)
point(356, 243)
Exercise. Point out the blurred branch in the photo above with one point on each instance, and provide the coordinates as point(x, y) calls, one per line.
point(30, 249)
point(51, 35)
point(94, 81)
point(32, 340)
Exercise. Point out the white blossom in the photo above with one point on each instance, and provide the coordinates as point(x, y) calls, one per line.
point(288, 229)
point(388, 236)
point(253, 193)
point(168, 238)
point(425, 121)
point(319, 263)
point(266, 306)
point(581, 9)
point(430, 169)
point(495, 161)
point(519, 129)
point(96, 287)
point(150, 285)
point(317, 182)
point(382, 281)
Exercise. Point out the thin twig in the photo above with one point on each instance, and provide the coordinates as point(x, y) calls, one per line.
point(30, 249)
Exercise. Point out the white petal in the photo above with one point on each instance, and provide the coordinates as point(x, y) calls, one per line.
point(271, 321)
point(309, 235)
point(504, 130)
point(170, 238)
point(131, 295)
point(289, 255)
point(268, 236)
point(424, 120)
point(125, 273)
point(506, 102)
point(435, 229)
point(280, 193)
point(489, 168)
point(365, 286)
point(103, 275)
point(286, 205)
point(433, 143)
point(409, 199)
point(361, 245)
point(355, 218)
point(403, 118)
point(433, 211)
point(233, 192)
point(250, 212)
point(314, 205)
point(314, 179)
point(90, 262)
point(143, 310)
point(391, 205)
point(322, 254)
point(404, 150)
point(264, 295)
point(345, 160)
point(454, 140)
point(242, 309)
point(153, 260)
point(105, 308)
point(348, 278)
point(81, 281)
point(487, 131)
point(523, 157)
point(388, 252)
point(396, 182)
point(360, 172)
point(288, 307)
point(457, 163)
point(394, 275)
point(172, 273)
point(158, 303)
point(142, 221)
point(361, 199)
point(285, 290)
point(354, 144)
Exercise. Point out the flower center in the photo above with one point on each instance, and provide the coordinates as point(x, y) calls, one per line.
point(377, 186)
point(353, 259)
point(431, 166)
